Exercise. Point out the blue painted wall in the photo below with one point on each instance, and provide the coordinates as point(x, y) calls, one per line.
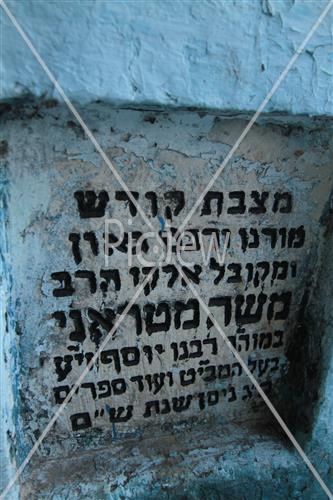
point(211, 54)
point(214, 54)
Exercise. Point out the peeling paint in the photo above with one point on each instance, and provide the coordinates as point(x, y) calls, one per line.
point(41, 205)
point(192, 54)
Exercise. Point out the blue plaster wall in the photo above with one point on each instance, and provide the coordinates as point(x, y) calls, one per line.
point(214, 54)
point(321, 443)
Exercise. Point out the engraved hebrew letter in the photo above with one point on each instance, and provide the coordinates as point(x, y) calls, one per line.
point(185, 355)
point(78, 334)
point(155, 382)
point(209, 373)
point(193, 275)
point(243, 232)
point(124, 196)
point(259, 200)
point(236, 367)
point(284, 199)
point(283, 298)
point(272, 233)
point(191, 304)
point(63, 371)
point(246, 339)
point(279, 342)
point(130, 355)
point(177, 199)
point(60, 393)
point(265, 267)
point(104, 320)
point(249, 315)
point(75, 239)
point(220, 302)
point(139, 380)
point(108, 275)
point(280, 270)
point(166, 408)
point(66, 289)
point(212, 398)
point(116, 414)
point(252, 364)
point(174, 274)
point(265, 340)
point(262, 366)
point(88, 205)
point(118, 386)
point(90, 236)
point(150, 310)
point(197, 352)
point(80, 421)
point(207, 207)
point(150, 195)
point(149, 407)
point(296, 237)
point(213, 264)
point(236, 269)
point(105, 388)
point(109, 356)
point(182, 403)
point(232, 396)
point(214, 345)
point(224, 371)
point(187, 377)
point(151, 285)
point(240, 208)
point(60, 318)
point(91, 387)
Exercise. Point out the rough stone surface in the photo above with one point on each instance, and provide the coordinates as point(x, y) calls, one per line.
point(217, 55)
point(211, 55)
point(161, 152)
point(218, 461)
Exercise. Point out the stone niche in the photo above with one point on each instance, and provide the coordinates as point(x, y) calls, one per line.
point(166, 368)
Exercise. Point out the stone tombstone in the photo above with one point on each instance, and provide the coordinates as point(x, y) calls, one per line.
point(165, 363)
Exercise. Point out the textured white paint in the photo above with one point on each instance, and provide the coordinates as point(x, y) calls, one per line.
point(220, 55)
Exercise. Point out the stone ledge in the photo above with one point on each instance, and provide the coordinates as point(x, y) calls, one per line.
point(214, 461)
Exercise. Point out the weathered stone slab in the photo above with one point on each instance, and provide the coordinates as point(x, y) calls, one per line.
point(165, 364)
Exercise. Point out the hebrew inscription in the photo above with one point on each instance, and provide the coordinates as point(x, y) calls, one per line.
point(82, 250)
point(171, 360)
